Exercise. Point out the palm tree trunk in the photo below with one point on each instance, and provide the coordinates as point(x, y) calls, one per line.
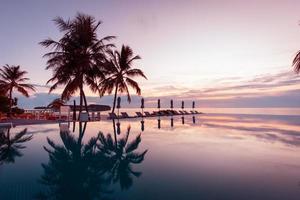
point(115, 98)
point(80, 105)
point(85, 103)
point(115, 133)
point(10, 102)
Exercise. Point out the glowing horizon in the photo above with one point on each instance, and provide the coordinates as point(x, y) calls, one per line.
point(208, 50)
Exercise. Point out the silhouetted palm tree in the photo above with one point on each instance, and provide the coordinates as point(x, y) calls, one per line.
point(12, 77)
point(78, 57)
point(10, 147)
point(119, 156)
point(73, 170)
point(120, 74)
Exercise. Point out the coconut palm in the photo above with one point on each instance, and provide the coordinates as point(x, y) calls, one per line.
point(12, 77)
point(11, 146)
point(119, 156)
point(120, 74)
point(78, 57)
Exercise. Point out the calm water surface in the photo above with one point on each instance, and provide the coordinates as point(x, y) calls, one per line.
point(213, 156)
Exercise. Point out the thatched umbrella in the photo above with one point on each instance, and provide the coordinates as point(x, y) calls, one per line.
point(118, 104)
point(193, 106)
point(182, 119)
point(158, 104)
point(194, 120)
point(142, 125)
point(172, 122)
point(171, 102)
point(158, 123)
point(118, 128)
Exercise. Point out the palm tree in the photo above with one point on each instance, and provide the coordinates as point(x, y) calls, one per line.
point(119, 157)
point(120, 74)
point(12, 77)
point(10, 147)
point(78, 57)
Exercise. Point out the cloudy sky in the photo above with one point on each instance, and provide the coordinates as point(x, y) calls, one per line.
point(221, 53)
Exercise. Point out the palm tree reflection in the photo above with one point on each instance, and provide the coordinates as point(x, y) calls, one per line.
point(72, 171)
point(120, 155)
point(78, 170)
point(11, 146)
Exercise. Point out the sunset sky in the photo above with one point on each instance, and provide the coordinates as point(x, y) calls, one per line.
point(221, 53)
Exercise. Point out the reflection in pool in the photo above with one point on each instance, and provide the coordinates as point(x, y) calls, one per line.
point(11, 145)
point(195, 157)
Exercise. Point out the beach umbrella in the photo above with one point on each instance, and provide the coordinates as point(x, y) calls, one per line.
point(158, 103)
point(142, 125)
point(118, 128)
point(158, 123)
point(142, 103)
point(182, 104)
point(119, 102)
point(171, 104)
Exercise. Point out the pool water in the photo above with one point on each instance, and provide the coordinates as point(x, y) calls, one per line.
point(210, 156)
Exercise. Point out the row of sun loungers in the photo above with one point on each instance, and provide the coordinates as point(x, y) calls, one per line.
point(154, 114)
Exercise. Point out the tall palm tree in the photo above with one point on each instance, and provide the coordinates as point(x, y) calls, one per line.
point(120, 73)
point(12, 77)
point(78, 57)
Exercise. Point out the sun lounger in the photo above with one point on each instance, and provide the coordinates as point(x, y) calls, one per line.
point(147, 114)
point(182, 113)
point(196, 112)
point(139, 114)
point(175, 112)
point(185, 112)
point(169, 112)
point(112, 116)
point(125, 115)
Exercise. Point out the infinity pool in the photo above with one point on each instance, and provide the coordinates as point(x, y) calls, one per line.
point(206, 157)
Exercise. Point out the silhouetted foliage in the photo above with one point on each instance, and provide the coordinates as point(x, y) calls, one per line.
point(73, 170)
point(78, 57)
point(11, 146)
point(119, 74)
point(4, 104)
point(12, 77)
point(119, 156)
point(84, 171)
